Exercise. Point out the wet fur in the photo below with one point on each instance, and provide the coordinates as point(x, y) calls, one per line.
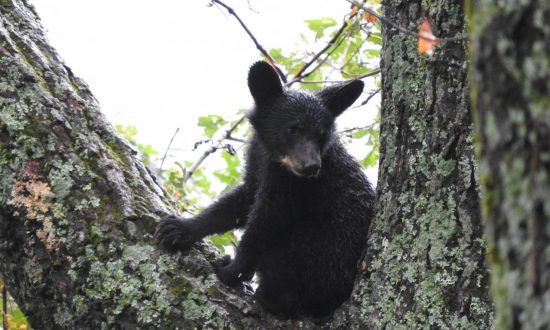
point(304, 235)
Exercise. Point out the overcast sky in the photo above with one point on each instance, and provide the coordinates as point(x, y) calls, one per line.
point(160, 65)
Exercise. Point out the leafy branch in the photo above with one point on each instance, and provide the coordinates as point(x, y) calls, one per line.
point(218, 144)
point(299, 75)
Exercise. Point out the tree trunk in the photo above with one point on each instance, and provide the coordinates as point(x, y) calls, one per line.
point(511, 42)
point(424, 265)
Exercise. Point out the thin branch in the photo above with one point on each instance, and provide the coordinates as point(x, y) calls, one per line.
point(231, 11)
point(167, 149)
point(303, 76)
point(217, 145)
point(322, 51)
point(230, 138)
point(367, 99)
point(299, 76)
point(387, 21)
point(372, 73)
point(349, 130)
point(357, 52)
point(250, 7)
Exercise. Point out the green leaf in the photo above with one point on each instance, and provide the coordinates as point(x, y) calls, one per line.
point(211, 124)
point(372, 158)
point(319, 25)
point(128, 132)
point(317, 75)
point(372, 53)
point(221, 241)
point(231, 174)
point(376, 38)
point(361, 133)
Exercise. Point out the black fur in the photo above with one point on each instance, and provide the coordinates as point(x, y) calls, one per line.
point(305, 202)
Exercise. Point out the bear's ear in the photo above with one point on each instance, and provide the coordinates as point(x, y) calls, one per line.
point(263, 82)
point(339, 97)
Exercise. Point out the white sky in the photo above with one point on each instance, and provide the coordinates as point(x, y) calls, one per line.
point(161, 65)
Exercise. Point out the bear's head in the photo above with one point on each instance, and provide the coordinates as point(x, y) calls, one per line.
point(296, 127)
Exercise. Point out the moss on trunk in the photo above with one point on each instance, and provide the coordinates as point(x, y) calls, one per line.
point(511, 70)
point(424, 266)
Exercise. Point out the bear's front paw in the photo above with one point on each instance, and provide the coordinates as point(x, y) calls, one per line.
point(175, 234)
point(229, 273)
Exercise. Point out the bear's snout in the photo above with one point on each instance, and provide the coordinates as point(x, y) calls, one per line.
point(304, 160)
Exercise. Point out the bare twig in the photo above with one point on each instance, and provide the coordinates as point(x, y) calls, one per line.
point(167, 149)
point(231, 11)
point(250, 7)
point(299, 76)
point(372, 73)
point(385, 20)
point(357, 51)
point(217, 145)
point(372, 94)
point(230, 138)
point(350, 130)
point(317, 66)
point(322, 51)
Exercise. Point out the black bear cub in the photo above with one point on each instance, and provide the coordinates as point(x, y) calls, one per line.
point(305, 203)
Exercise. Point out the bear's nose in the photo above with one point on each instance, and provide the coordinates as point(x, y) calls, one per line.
point(312, 169)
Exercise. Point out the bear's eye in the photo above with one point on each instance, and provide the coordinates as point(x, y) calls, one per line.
point(292, 129)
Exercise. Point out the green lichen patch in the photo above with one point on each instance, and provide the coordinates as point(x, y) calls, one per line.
point(130, 283)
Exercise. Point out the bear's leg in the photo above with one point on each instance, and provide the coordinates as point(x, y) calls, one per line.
point(230, 211)
point(264, 227)
point(282, 303)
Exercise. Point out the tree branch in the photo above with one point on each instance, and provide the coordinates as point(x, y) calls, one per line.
point(299, 76)
point(167, 149)
point(353, 129)
point(232, 12)
point(370, 74)
point(322, 51)
point(367, 99)
point(217, 145)
point(387, 21)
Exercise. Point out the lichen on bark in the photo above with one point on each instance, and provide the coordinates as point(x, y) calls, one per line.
point(511, 71)
point(424, 265)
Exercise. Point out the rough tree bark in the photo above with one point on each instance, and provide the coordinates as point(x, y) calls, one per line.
point(77, 209)
point(424, 265)
point(511, 43)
